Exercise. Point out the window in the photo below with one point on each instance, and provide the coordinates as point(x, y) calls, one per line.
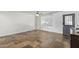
point(46, 21)
point(68, 20)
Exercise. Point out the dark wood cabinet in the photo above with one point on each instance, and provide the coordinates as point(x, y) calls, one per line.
point(74, 41)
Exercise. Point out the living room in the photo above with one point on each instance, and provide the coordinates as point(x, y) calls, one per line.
point(37, 29)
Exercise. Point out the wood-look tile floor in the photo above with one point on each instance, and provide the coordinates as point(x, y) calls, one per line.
point(35, 39)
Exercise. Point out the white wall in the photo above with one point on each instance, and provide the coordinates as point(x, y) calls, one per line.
point(15, 22)
point(57, 21)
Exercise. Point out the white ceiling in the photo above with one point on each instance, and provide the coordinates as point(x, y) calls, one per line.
point(40, 12)
point(33, 12)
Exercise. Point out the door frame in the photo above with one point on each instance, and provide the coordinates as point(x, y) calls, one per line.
point(73, 21)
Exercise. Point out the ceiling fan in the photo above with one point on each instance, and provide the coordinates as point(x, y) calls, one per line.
point(37, 13)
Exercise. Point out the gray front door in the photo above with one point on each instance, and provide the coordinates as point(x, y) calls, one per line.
point(68, 24)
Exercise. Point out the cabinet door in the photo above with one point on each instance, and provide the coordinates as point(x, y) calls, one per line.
point(74, 41)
